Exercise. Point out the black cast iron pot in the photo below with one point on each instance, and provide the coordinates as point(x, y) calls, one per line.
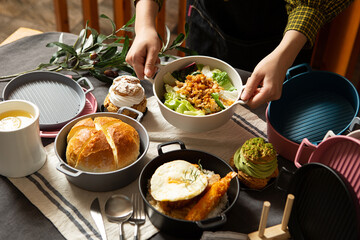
point(208, 161)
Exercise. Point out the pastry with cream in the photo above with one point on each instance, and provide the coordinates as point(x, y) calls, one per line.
point(126, 91)
point(256, 162)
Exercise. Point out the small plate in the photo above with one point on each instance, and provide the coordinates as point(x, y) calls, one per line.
point(90, 107)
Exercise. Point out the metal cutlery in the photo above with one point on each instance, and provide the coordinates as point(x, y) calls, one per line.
point(95, 212)
point(138, 216)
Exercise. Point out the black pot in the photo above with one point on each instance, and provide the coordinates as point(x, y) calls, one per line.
point(180, 227)
point(325, 205)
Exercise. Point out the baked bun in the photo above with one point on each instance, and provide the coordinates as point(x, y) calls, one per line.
point(102, 144)
point(256, 162)
point(126, 91)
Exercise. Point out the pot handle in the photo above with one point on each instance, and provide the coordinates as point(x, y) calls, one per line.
point(160, 151)
point(304, 143)
point(355, 121)
point(212, 223)
point(88, 83)
point(296, 70)
point(67, 171)
point(283, 171)
point(139, 114)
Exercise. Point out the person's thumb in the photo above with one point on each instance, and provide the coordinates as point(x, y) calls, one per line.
point(150, 64)
point(250, 88)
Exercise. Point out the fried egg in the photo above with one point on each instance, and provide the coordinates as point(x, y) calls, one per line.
point(177, 180)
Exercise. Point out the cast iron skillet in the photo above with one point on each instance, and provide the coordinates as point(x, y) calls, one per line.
point(325, 205)
point(210, 162)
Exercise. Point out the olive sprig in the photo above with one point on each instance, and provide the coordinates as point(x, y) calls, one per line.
point(101, 56)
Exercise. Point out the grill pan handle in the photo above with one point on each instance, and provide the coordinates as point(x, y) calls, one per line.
point(297, 70)
point(68, 171)
point(304, 143)
point(160, 151)
point(212, 223)
point(88, 83)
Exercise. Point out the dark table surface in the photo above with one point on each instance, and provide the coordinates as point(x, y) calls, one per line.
point(20, 219)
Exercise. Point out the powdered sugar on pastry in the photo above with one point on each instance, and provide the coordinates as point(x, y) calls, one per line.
point(126, 91)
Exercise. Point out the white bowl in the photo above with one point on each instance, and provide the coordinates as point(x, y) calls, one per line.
point(196, 123)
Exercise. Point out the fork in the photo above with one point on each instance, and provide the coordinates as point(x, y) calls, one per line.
point(138, 216)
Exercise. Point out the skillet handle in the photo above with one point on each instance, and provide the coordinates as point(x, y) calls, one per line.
point(296, 70)
point(160, 151)
point(67, 171)
point(88, 83)
point(304, 143)
point(283, 171)
point(212, 223)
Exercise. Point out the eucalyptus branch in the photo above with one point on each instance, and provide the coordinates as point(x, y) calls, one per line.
point(102, 56)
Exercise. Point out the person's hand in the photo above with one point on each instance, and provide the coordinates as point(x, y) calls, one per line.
point(265, 83)
point(143, 53)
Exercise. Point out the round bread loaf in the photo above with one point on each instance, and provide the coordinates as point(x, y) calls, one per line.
point(102, 144)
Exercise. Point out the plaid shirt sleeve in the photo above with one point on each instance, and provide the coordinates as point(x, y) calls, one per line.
point(159, 2)
point(307, 16)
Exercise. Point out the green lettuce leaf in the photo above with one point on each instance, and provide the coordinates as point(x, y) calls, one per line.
point(223, 79)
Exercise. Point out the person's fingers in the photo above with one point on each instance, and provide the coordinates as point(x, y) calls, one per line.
point(150, 63)
point(251, 86)
point(259, 98)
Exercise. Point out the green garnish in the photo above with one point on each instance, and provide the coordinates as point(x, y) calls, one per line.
point(217, 100)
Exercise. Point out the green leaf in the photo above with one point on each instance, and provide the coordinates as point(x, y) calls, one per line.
point(187, 51)
point(101, 38)
point(110, 52)
point(111, 21)
point(125, 48)
point(79, 43)
point(100, 76)
point(63, 46)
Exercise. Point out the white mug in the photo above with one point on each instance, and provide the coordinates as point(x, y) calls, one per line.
point(21, 150)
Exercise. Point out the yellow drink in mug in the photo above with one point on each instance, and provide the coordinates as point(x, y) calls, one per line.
point(22, 152)
point(15, 119)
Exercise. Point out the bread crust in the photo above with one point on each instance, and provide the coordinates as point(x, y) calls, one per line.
point(101, 145)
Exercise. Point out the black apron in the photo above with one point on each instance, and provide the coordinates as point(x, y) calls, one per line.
point(240, 32)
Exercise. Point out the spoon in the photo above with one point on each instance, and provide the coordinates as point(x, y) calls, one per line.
point(118, 208)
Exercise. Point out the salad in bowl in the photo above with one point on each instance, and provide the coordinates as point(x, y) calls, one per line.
point(197, 93)
point(198, 89)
